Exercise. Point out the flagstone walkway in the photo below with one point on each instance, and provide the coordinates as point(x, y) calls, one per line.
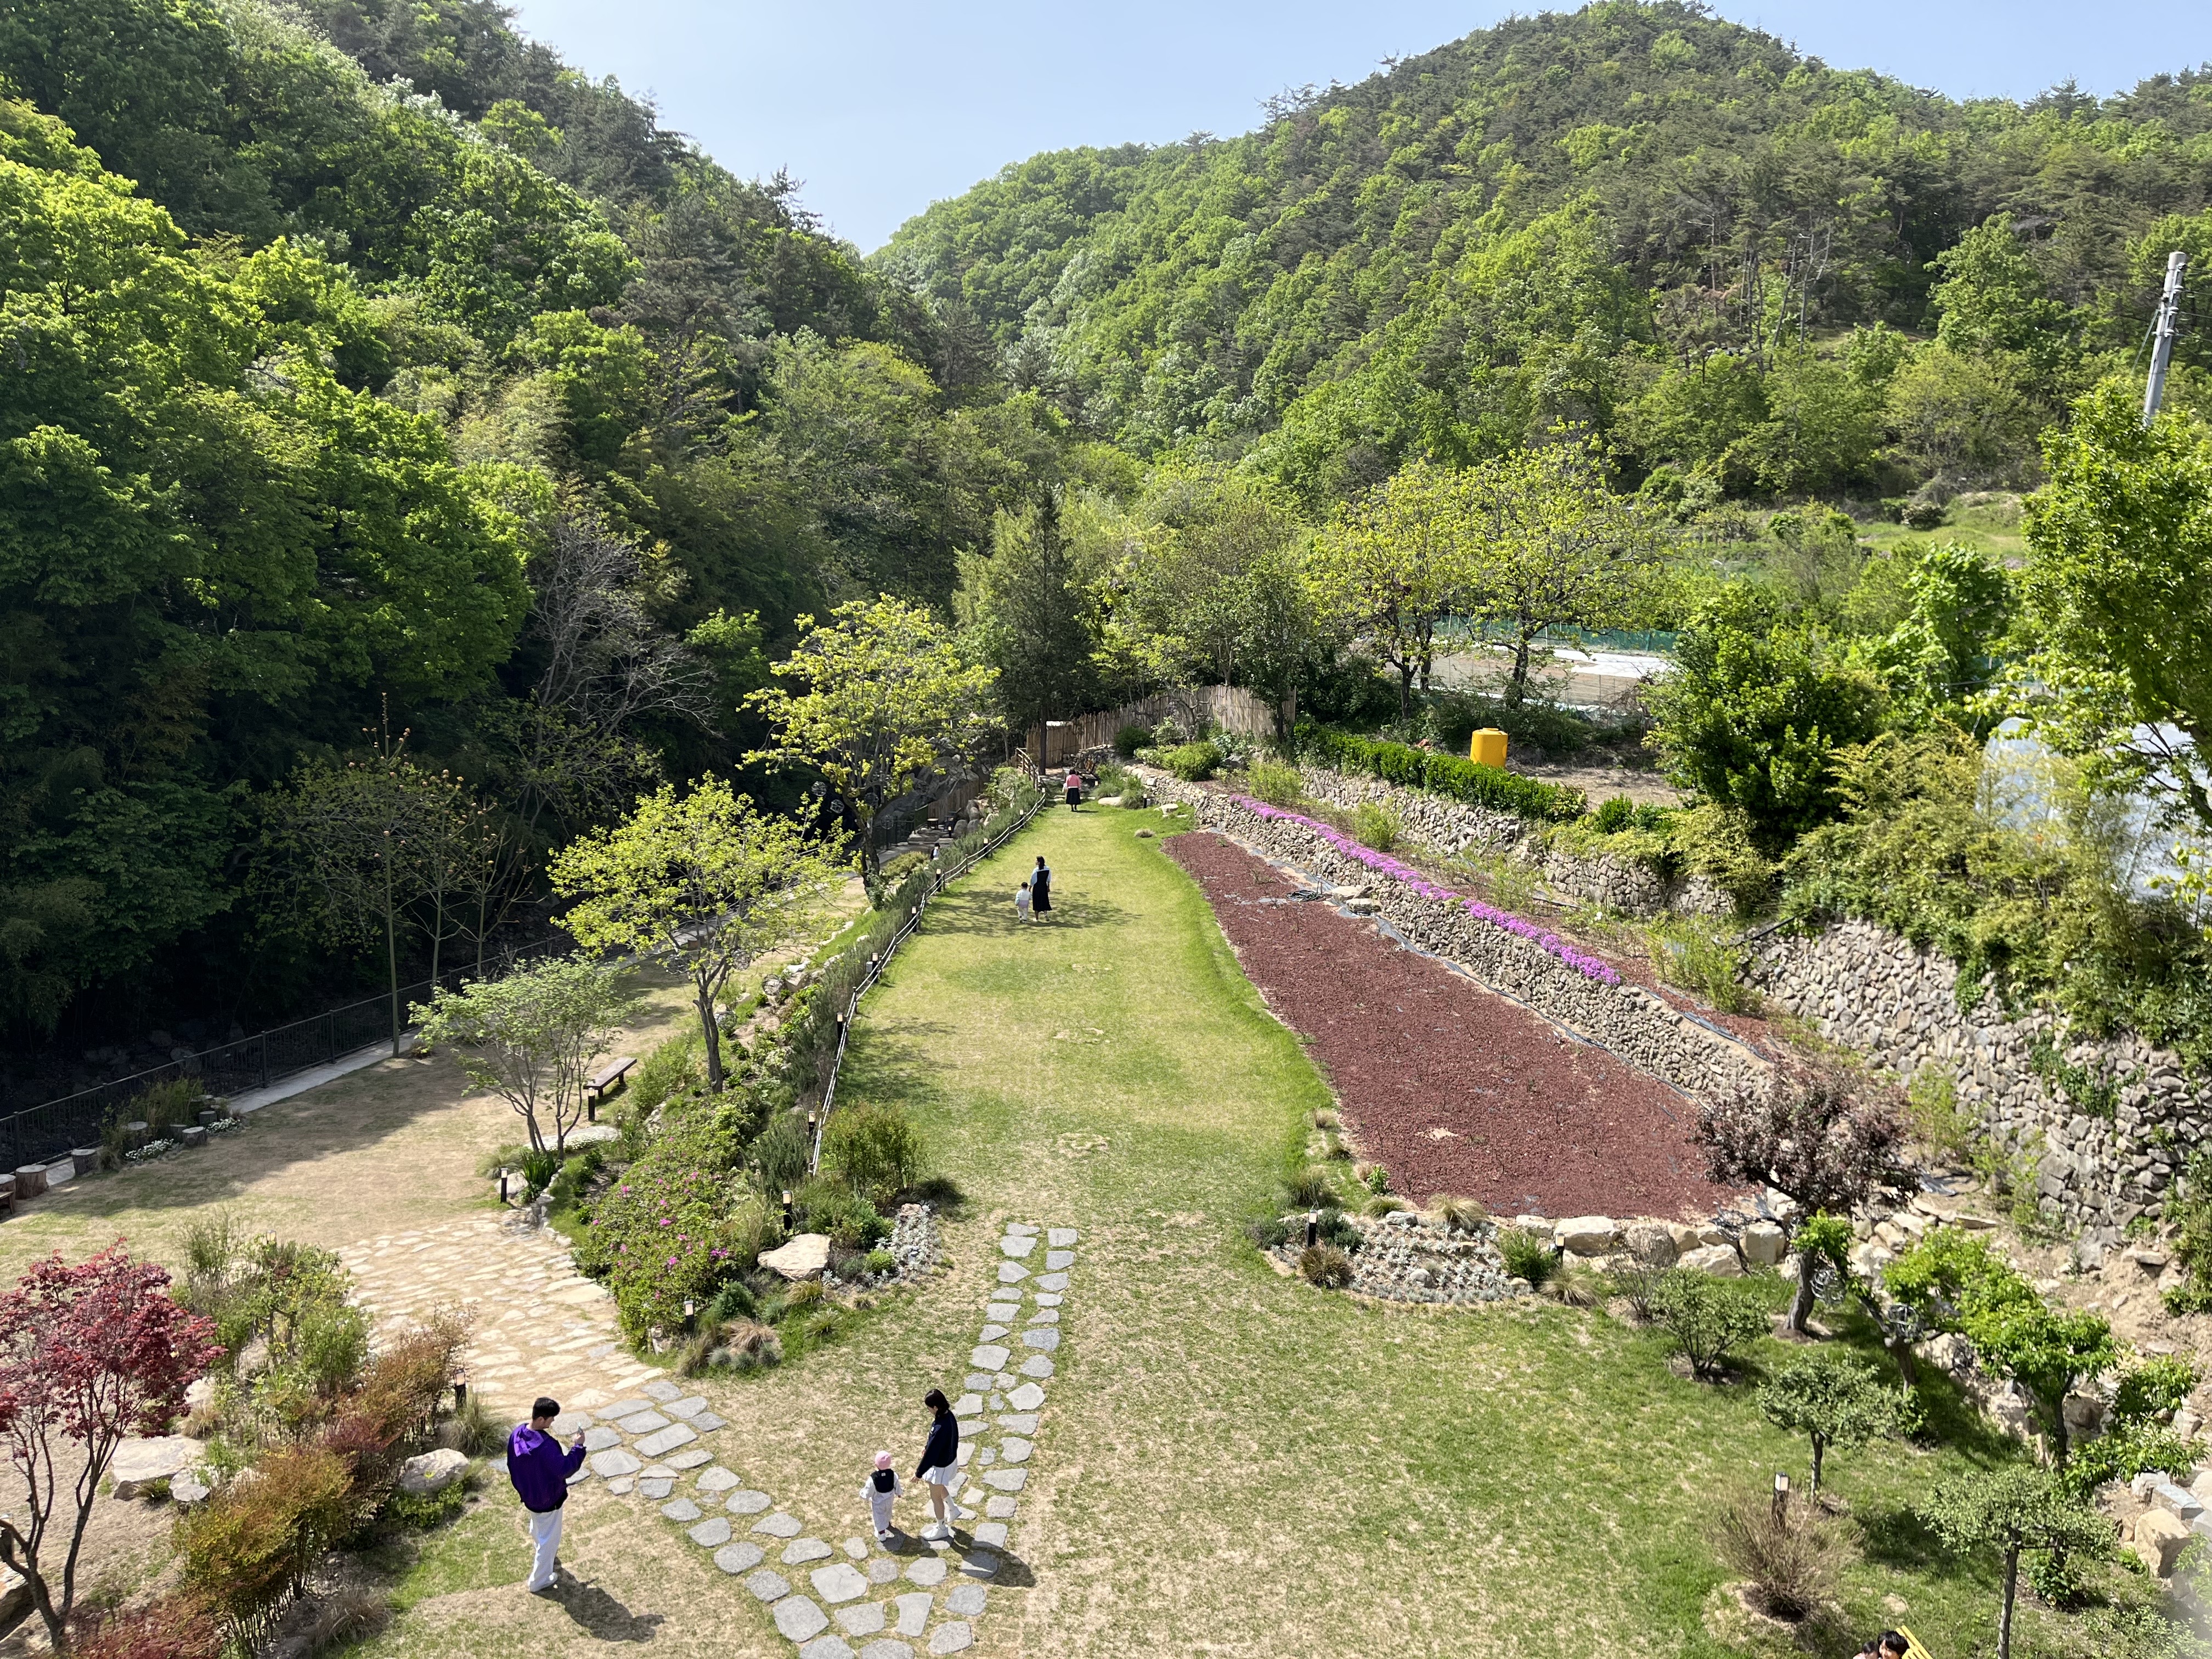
point(541, 1327)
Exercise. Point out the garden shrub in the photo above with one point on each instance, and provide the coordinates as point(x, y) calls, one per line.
point(1709, 1318)
point(1376, 1178)
point(1692, 954)
point(1326, 1266)
point(423, 1511)
point(1793, 1560)
point(675, 1067)
point(662, 1235)
point(169, 1106)
point(249, 1547)
point(1529, 1255)
point(1129, 739)
point(1634, 1282)
point(1192, 762)
point(874, 1148)
point(1335, 1228)
point(177, 1626)
point(879, 1261)
point(1268, 1232)
point(1439, 773)
point(1276, 784)
point(1931, 1107)
point(825, 1204)
point(780, 1156)
point(1376, 825)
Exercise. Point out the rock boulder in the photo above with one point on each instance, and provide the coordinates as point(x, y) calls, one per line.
point(803, 1257)
point(433, 1472)
point(2159, 1535)
point(1718, 1260)
point(1586, 1235)
point(1651, 1243)
point(1763, 1243)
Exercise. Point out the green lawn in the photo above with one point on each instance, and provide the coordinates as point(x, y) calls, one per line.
point(1236, 1463)
point(1230, 1462)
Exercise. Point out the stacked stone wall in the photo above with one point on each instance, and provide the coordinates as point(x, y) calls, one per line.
point(2103, 1159)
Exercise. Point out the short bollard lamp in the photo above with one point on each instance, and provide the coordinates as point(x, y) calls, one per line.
point(1781, 1493)
point(460, 1391)
point(1313, 1228)
point(502, 1186)
point(787, 1209)
point(592, 1111)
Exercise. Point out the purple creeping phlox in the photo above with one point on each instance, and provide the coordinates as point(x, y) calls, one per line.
point(1520, 926)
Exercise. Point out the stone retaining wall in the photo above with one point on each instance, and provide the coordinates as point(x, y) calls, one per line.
point(1639, 1027)
point(1458, 827)
point(2104, 1160)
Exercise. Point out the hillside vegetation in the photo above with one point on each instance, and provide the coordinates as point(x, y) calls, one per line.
point(1744, 267)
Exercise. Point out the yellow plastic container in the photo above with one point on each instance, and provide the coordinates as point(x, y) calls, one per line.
point(1487, 747)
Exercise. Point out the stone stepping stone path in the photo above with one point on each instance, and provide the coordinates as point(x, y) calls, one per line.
point(857, 1600)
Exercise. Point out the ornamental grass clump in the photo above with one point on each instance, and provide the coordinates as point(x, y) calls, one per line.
point(1582, 962)
point(1308, 1189)
point(1326, 1266)
point(1461, 1214)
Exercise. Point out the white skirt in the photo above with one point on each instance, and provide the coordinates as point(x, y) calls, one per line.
point(939, 1476)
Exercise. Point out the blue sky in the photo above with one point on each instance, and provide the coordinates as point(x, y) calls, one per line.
point(883, 108)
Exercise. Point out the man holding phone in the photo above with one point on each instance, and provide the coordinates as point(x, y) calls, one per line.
point(540, 1471)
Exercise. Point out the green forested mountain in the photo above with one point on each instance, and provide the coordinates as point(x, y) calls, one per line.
point(362, 360)
point(1722, 255)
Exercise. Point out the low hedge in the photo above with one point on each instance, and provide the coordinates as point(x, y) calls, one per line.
point(1440, 775)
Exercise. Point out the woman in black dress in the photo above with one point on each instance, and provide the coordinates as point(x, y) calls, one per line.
point(1039, 889)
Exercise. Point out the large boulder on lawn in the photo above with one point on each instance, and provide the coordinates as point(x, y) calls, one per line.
point(139, 1463)
point(1717, 1259)
point(2159, 1535)
point(1586, 1235)
point(433, 1472)
point(1763, 1243)
point(1651, 1243)
point(803, 1257)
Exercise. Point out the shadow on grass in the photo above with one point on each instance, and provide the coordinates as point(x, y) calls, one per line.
point(600, 1615)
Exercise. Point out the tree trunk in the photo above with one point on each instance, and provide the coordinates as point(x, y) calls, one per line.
point(392, 950)
point(1820, 1451)
point(2061, 1443)
point(714, 1035)
point(1800, 1305)
point(1405, 689)
point(2004, 1614)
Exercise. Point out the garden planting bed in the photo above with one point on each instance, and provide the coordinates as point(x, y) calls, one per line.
point(1450, 1086)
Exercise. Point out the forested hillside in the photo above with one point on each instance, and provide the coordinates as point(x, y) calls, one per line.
point(1748, 270)
point(434, 386)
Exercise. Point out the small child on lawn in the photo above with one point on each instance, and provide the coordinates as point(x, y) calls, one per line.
point(1022, 902)
point(880, 1488)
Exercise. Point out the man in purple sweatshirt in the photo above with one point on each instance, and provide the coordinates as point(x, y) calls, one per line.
point(540, 1471)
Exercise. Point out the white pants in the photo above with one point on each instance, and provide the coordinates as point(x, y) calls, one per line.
point(545, 1535)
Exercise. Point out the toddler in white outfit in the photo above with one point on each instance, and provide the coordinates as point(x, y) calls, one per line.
point(881, 1489)
point(1022, 902)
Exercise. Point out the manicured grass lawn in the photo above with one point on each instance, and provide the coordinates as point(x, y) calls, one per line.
point(1235, 1463)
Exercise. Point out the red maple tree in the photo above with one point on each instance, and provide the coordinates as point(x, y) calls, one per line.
point(88, 1353)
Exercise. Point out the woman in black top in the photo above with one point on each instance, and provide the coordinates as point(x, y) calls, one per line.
point(1040, 888)
point(938, 1459)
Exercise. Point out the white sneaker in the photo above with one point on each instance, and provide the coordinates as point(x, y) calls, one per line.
point(936, 1531)
point(883, 1534)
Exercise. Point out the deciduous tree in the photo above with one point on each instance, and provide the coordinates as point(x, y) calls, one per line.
point(889, 700)
point(532, 1037)
point(704, 880)
point(1810, 1138)
point(2014, 1511)
point(89, 1353)
point(1834, 1399)
point(1395, 565)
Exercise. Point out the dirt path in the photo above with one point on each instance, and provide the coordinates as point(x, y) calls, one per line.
point(1453, 1088)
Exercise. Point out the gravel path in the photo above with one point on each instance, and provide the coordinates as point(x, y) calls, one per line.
point(1454, 1088)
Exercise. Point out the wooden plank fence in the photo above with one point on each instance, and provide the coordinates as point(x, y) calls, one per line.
point(1195, 708)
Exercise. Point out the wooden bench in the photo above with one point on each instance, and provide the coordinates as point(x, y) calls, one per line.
point(607, 1079)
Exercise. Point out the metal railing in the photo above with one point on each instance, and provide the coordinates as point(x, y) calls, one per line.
point(880, 959)
point(45, 1132)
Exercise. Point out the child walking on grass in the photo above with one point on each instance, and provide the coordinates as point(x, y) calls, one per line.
point(1022, 902)
point(881, 1488)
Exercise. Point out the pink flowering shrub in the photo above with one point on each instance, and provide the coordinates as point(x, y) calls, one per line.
point(1382, 863)
point(664, 1235)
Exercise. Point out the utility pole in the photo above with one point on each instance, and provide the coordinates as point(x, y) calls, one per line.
point(2161, 350)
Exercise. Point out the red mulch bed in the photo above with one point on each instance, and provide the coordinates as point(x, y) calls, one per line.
point(1452, 1087)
